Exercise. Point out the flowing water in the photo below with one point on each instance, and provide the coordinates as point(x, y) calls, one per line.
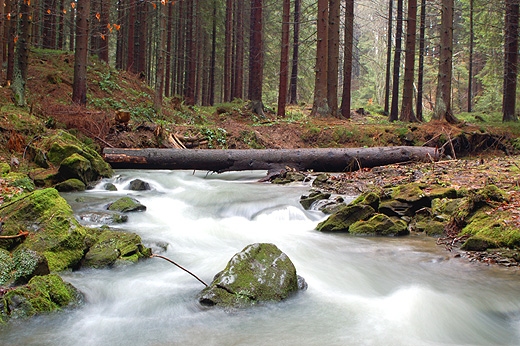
point(361, 291)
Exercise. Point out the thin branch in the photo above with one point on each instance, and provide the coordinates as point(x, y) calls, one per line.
point(181, 267)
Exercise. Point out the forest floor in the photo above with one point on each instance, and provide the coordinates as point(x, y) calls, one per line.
point(489, 148)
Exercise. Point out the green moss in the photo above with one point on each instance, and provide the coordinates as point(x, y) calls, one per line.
point(42, 294)
point(20, 180)
point(126, 205)
point(53, 230)
point(379, 224)
point(488, 225)
point(4, 168)
point(70, 185)
point(410, 193)
point(346, 216)
point(77, 166)
point(6, 267)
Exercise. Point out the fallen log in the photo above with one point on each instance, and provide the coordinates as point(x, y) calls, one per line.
point(318, 160)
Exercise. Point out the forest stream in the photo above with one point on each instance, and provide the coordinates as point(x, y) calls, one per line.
point(361, 290)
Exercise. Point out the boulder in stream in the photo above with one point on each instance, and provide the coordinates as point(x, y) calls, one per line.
point(260, 272)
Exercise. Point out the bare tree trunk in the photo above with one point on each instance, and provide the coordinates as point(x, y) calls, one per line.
point(2, 40)
point(284, 59)
point(443, 109)
point(228, 50)
point(49, 23)
point(161, 57)
point(388, 57)
point(293, 94)
point(12, 4)
point(256, 57)
point(273, 160)
point(320, 105)
point(347, 59)
point(470, 58)
point(189, 86)
point(407, 114)
point(21, 65)
point(72, 41)
point(104, 36)
point(239, 52)
point(420, 72)
point(130, 59)
point(213, 59)
point(397, 62)
point(79, 88)
point(169, 51)
point(333, 56)
point(510, 61)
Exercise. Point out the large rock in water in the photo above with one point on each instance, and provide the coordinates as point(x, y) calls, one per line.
point(260, 272)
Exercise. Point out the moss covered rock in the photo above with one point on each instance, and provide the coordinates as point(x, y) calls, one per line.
point(126, 205)
point(346, 216)
point(260, 272)
point(4, 168)
point(62, 147)
point(53, 230)
point(110, 247)
point(380, 224)
point(70, 185)
point(41, 295)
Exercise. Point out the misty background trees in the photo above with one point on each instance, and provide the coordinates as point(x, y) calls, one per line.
point(333, 55)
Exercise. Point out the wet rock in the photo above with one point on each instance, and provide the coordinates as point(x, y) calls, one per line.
point(380, 225)
point(307, 201)
point(110, 187)
point(76, 166)
point(139, 185)
point(42, 294)
point(100, 218)
point(70, 185)
point(126, 205)
point(259, 273)
point(476, 244)
point(53, 230)
point(346, 216)
point(110, 247)
point(288, 177)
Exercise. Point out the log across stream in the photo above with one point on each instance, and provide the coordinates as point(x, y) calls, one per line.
point(225, 160)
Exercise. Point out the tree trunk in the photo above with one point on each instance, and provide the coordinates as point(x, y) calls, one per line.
point(420, 72)
point(22, 54)
point(169, 51)
point(284, 59)
point(347, 59)
point(293, 94)
point(333, 56)
point(79, 88)
point(510, 61)
point(213, 58)
point(470, 57)
point(443, 109)
point(228, 51)
point(130, 56)
point(161, 57)
point(397, 62)
point(11, 6)
point(319, 160)
point(256, 57)
point(407, 114)
point(103, 33)
point(320, 105)
point(238, 82)
point(2, 40)
point(388, 57)
point(191, 66)
point(49, 22)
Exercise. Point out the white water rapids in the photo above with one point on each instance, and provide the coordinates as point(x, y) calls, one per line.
point(361, 291)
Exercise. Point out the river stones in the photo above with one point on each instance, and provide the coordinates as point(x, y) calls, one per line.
point(260, 272)
point(126, 205)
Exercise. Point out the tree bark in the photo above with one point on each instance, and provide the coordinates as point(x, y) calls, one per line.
point(293, 94)
point(388, 57)
point(320, 105)
point(21, 65)
point(256, 57)
point(79, 88)
point(407, 113)
point(510, 61)
point(228, 35)
point(333, 56)
point(420, 68)
point(238, 80)
point(443, 109)
point(394, 109)
point(319, 160)
point(347, 59)
point(284, 59)
point(470, 57)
